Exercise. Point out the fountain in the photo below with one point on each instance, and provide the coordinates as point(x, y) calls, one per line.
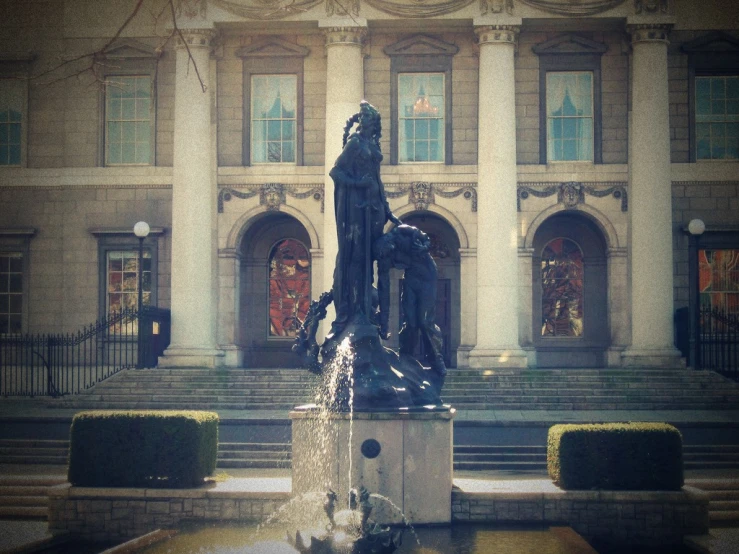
point(379, 421)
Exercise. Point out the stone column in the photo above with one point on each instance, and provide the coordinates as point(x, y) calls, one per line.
point(344, 91)
point(652, 338)
point(497, 219)
point(194, 272)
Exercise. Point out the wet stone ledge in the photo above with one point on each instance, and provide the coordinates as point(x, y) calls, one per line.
point(628, 518)
point(120, 513)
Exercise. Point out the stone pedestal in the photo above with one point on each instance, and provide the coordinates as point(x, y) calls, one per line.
point(405, 457)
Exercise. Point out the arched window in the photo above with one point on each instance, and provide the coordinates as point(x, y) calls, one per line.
point(561, 289)
point(289, 287)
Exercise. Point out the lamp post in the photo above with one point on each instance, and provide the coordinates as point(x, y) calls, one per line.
point(696, 227)
point(141, 230)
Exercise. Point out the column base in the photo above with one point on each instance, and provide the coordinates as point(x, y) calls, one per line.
point(498, 357)
point(656, 358)
point(184, 357)
point(233, 355)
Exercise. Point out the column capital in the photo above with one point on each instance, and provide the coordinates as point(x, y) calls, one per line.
point(497, 34)
point(352, 36)
point(196, 38)
point(649, 32)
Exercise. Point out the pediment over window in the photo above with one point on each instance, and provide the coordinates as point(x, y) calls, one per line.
point(127, 48)
point(272, 47)
point(421, 45)
point(569, 44)
point(713, 42)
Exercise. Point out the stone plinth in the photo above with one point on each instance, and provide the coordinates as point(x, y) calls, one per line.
point(403, 456)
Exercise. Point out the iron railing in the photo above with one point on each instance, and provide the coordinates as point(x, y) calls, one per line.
point(57, 364)
point(718, 342)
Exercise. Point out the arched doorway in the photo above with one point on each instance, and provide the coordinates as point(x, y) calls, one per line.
point(275, 289)
point(570, 293)
point(445, 251)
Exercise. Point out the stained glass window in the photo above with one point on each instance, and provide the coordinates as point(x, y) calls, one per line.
point(11, 292)
point(569, 116)
point(719, 279)
point(123, 280)
point(289, 287)
point(274, 118)
point(11, 114)
point(128, 119)
point(717, 117)
point(421, 117)
point(562, 289)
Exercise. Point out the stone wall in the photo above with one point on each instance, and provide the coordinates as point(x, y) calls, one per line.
point(105, 514)
point(627, 518)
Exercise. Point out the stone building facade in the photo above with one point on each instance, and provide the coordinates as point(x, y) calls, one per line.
point(554, 150)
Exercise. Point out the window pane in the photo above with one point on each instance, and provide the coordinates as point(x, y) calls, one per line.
point(273, 118)
point(128, 119)
point(421, 108)
point(12, 92)
point(11, 292)
point(569, 116)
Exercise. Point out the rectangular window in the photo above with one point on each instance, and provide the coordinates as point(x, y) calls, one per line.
point(11, 119)
point(569, 110)
point(421, 130)
point(717, 117)
point(123, 280)
point(11, 292)
point(128, 119)
point(273, 118)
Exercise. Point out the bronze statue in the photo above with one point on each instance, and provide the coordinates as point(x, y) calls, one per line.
point(361, 211)
point(372, 377)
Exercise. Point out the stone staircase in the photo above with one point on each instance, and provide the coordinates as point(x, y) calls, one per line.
point(723, 505)
point(465, 389)
point(26, 497)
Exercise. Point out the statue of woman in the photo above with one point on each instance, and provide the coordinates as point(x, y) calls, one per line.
point(361, 211)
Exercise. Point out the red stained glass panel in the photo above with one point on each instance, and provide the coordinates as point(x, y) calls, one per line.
point(718, 279)
point(289, 287)
point(562, 276)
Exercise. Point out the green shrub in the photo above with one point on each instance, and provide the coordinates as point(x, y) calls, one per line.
point(615, 456)
point(142, 448)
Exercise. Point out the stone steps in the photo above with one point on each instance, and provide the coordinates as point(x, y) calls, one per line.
point(723, 505)
point(26, 497)
point(283, 389)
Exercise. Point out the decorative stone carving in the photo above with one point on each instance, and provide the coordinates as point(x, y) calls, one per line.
point(345, 35)
point(419, 8)
point(265, 10)
point(197, 38)
point(496, 6)
point(347, 8)
point(505, 34)
point(272, 195)
point(422, 194)
point(191, 9)
point(573, 7)
point(651, 6)
point(571, 194)
point(649, 32)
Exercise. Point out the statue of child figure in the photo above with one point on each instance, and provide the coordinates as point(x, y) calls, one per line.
point(407, 247)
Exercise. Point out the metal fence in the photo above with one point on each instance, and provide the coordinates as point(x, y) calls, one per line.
point(718, 342)
point(57, 364)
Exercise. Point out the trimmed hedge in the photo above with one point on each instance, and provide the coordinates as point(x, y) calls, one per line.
point(173, 449)
point(615, 456)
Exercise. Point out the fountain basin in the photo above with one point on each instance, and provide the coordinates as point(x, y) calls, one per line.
point(395, 454)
